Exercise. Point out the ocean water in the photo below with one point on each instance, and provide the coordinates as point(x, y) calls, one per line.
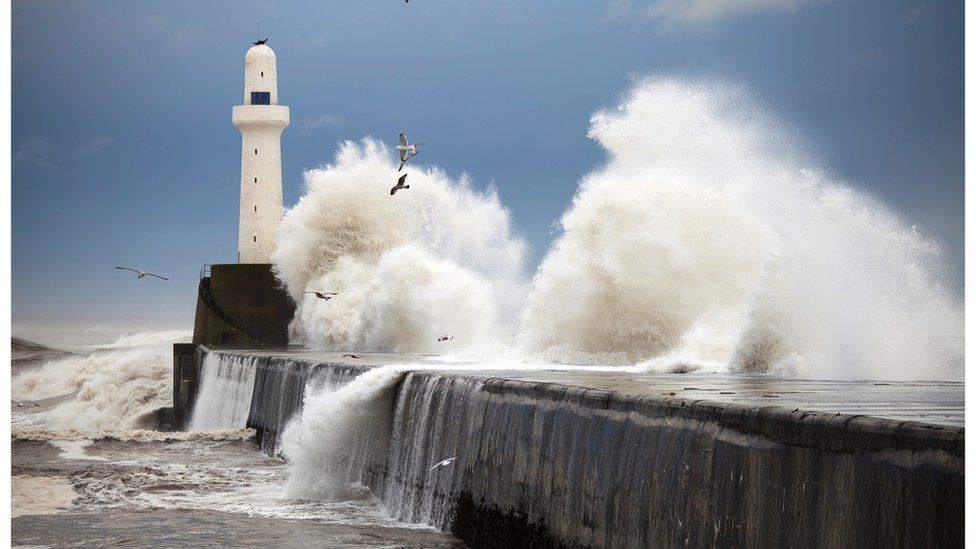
point(81, 454)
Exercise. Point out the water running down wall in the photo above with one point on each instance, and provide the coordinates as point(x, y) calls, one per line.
point(542, 464)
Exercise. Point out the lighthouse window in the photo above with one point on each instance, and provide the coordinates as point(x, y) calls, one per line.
point(255, 151)
point(255, 208)
point(255, 180)
point(260, 98)
point(262, 74)
point(255, 239)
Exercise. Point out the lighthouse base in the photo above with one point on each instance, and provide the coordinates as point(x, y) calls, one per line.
point(241, 305)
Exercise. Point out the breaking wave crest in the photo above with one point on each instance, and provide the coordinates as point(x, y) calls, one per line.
point(111, 389)
point(436, 259)
point(707, 241)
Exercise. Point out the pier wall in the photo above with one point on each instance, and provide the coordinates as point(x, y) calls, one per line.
point(241, 304)
point(548, 465)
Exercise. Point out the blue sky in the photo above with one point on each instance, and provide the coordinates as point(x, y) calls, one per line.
point(124, 152)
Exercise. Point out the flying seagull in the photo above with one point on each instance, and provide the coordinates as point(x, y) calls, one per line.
point(399, 185)
point(142, 274)
point(445, 338)
point(407, 151)
point(349, 355)
point(323, 295)
point(442, 463)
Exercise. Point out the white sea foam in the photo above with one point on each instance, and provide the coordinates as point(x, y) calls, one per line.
point(436, 259)
point(109, 389)
point(318, 440)
point(40, 495)
point(135, 435)
point(708, 241)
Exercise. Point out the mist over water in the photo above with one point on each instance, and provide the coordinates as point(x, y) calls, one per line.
point(708, 241)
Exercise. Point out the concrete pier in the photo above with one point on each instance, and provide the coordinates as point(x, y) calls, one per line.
point(611, 459)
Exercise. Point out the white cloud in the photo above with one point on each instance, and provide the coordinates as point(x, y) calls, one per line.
point(327, 119)
point(93, 146)
point(33, 152)
point(701, 12)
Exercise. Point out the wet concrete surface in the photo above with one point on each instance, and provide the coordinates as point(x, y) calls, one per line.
point(615, 457)
point(935, 402)
point(941, 403)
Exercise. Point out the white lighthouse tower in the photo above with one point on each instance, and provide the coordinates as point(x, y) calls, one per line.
point(261, 120)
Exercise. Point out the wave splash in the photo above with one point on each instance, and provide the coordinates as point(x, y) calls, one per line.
point(325, 443)
point(436, 259)
point(112, 389)
point(707, 242)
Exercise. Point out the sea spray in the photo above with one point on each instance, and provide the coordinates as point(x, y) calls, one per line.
point(148, 339)
point(110, 389)
point(337, 429)
point(706, 239)
point(342, 429)
point(114, 387)
point(439, 258)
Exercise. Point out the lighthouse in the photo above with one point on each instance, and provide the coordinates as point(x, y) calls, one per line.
point(261, 120)
point(243, 304)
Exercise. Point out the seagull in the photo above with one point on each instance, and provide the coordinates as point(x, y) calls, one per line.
point(445, 338)
point(323, 295)
point(142, 274)
point(399, 185)
point(442, 463)
point(407, 151)
point(349, 355)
